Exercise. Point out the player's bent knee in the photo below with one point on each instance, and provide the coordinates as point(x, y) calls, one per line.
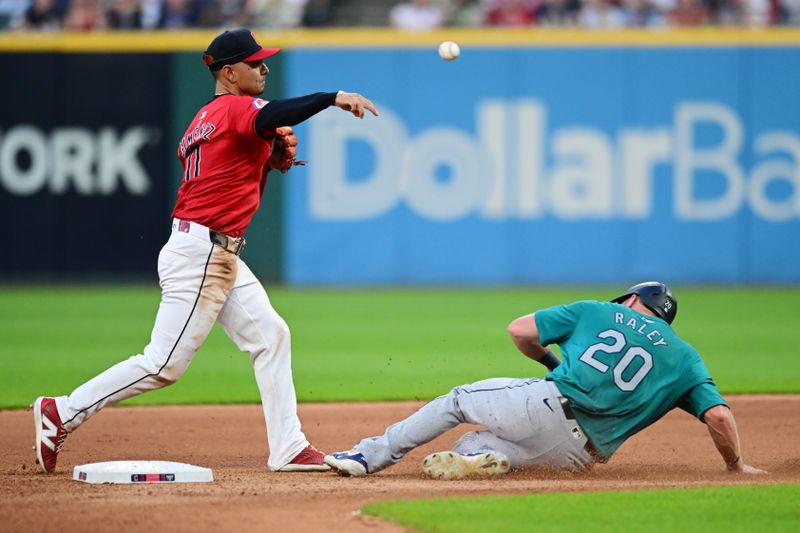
point(282, 326)
point(468, 443)
point(170, 374)
point(282, 333)
point(458, 390)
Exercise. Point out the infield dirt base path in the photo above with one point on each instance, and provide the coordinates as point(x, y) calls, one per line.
point(245, 496)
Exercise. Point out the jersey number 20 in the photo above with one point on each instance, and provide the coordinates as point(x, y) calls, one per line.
point(630, 355)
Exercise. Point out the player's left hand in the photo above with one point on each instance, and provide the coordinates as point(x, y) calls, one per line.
point(284, 150)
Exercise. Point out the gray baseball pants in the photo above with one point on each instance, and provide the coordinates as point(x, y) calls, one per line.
point(523, 418)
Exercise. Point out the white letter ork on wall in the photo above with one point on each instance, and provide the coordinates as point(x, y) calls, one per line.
point(29, 140)
point(73, 158)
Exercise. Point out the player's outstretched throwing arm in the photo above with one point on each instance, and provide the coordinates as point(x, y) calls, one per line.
point(722, 428)
point(293, 111)
point(276, 118)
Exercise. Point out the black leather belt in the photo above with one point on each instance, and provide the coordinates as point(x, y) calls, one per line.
point(233, 245)
point(570, 415)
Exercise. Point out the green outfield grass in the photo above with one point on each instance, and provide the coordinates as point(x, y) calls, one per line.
point(368, 344)
point(725, 509)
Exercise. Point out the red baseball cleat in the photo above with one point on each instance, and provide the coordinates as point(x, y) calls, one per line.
point(309, 460)
point(50, 433)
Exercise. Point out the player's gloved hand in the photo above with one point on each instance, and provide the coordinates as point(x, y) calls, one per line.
point(284, 150)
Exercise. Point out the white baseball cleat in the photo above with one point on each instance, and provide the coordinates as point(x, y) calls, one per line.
point(452, 465)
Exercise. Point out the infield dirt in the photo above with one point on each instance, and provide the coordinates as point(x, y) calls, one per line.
point(245, 496)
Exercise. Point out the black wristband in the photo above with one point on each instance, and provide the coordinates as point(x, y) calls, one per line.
point(550, 360)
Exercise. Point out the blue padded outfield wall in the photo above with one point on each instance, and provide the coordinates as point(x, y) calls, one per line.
point(555, 165)
point(537, 157)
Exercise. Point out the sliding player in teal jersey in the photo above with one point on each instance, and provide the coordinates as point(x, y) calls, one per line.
point(623, 368)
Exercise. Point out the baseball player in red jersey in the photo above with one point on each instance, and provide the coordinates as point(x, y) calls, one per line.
point(227, 151)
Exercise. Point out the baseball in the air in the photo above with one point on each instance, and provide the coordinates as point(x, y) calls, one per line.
point(449, 50)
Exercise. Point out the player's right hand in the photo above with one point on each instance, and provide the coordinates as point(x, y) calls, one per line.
point(355, 103)
point(747, 469)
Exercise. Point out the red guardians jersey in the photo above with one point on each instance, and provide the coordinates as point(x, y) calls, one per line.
point(224, 165)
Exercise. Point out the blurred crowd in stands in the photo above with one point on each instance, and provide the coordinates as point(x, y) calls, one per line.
point(411, 15)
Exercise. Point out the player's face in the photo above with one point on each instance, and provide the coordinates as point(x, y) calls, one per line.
point(252, 77)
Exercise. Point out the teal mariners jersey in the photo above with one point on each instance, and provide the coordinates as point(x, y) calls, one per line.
point(622, 370)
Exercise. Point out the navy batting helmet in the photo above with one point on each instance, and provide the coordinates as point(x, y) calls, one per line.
point(655, 296)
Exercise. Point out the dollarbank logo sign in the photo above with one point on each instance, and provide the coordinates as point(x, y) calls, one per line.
point(516, 165)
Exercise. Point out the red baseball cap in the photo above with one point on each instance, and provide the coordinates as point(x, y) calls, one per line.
point(234, 46)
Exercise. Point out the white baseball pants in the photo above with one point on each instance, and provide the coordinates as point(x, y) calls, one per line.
point(523, 419)
point(202, 283)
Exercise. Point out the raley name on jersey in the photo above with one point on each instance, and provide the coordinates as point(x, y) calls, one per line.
point(203, 130)
point(641, 327)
